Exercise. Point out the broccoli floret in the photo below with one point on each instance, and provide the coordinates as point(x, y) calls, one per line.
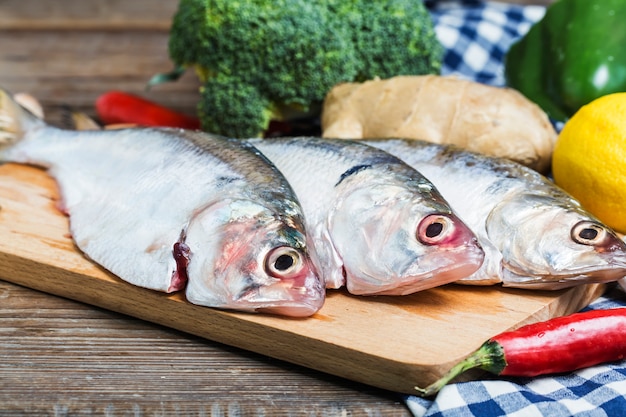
point(396, 39)
point(260, 60)
point(233, 108)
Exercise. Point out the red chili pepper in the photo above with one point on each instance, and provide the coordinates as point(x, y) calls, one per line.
point(119, 107)
point(561, 344)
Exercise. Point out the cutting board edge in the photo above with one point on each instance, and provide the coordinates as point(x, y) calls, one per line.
point(315, 354)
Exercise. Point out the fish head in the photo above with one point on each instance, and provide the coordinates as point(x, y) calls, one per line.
point(394, 241)
point(244, 256)
point(553, 243)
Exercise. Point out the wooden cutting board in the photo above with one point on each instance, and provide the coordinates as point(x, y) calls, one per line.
point(393, 343)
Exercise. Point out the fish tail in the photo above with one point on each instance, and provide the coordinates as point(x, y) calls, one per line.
point(15, 120)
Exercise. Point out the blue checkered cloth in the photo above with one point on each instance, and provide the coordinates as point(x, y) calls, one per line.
point(477, 36)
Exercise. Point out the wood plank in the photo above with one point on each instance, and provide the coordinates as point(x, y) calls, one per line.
point(67, 53)
point(67, 70)
point(393, 343)
point(102, 14)
point(87, 15)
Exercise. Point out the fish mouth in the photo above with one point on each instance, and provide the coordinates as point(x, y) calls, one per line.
point(288, 308)
point(562, 281)
point(303, 303)
point(430, 280)
point(607, 263)
point(454, 268)
point(296, 310)
point(300, 297)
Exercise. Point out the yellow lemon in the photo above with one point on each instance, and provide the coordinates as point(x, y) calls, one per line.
point(589, 159)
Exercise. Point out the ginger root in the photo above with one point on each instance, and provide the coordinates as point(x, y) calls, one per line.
point(442, 109)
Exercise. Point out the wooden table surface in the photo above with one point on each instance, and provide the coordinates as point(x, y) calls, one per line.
point(60, 357)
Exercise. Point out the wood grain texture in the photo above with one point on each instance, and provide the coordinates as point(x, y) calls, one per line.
point(394, 343)
point(67, 53)
point(64, 358)
point(89, 15)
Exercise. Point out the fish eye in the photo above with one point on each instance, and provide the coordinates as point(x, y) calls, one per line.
point(283, 261)
point(434, 228)
point(588, 233)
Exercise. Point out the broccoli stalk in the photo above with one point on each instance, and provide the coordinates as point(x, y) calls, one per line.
point(262, 60)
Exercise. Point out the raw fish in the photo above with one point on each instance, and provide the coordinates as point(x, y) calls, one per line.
point(533, 233)
point(377, 225)
point(169, 209)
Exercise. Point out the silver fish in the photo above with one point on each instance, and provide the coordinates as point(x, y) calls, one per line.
point(377, 225)
point(533, 233)
point(168, 209)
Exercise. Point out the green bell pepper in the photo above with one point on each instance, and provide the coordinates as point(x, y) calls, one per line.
point(572, 56)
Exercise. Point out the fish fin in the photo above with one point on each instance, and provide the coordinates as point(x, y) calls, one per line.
point(141, 256)
point(14, 119)
point(138, 249)
point(30, 103)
